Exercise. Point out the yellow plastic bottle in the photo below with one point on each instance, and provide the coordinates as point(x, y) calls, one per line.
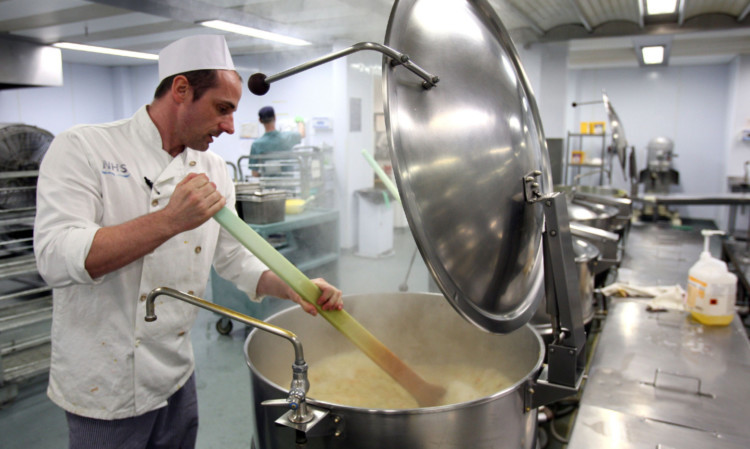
point(712, 289)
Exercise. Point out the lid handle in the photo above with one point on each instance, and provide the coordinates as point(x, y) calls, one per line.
point(259, 83)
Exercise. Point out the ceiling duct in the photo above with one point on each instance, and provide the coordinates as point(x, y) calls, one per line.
point(26, 64)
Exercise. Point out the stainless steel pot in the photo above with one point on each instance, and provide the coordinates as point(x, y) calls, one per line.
point(587, 257)
point(420, 328)
point(604, 201)
point(596, 215)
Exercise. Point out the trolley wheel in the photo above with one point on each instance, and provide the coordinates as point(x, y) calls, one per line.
point(224, 326)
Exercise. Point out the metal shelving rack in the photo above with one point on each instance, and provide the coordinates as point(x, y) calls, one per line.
point(25, 300)
point(600, 163)
point(304, 172)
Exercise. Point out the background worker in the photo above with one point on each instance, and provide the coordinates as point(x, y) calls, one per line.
point(273, 140)
point(123, 208)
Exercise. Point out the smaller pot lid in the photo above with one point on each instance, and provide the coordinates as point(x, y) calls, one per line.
point(246, 187)
point(461, 151)
point(584, 251)
point(262, 195)
point(602, 210)
point(619, 142)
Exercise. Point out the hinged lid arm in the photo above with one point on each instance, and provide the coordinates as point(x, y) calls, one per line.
point(259, 83)
point(561, 274)
point(565, 355)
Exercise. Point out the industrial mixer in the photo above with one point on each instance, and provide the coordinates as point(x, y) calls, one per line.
point(659, 176)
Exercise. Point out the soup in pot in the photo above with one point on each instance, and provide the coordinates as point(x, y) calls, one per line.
point(352, 379)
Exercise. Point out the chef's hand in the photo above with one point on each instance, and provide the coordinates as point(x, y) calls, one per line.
point(330, 296)
point(194, 201)
point(329, 299)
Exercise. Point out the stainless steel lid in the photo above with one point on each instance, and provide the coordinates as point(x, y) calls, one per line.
point(585, 252)
point(460, 152)
point(577, 212)
point(246, 187)
point(262, 195)
point(619, 142)
point(601, 210)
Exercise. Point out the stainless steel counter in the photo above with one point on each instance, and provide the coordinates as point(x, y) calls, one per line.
point(662, 379)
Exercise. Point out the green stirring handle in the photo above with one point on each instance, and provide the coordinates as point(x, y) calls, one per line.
point(425, 393)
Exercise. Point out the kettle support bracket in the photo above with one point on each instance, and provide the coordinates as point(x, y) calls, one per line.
point(562, 375)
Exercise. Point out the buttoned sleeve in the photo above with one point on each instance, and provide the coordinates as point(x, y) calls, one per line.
point(68, 206)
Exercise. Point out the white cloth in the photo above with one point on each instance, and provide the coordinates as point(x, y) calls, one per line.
point(107, 361)
point(662, 296)
point(200, 52)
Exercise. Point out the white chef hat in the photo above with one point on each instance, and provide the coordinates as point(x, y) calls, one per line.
point(200, 52)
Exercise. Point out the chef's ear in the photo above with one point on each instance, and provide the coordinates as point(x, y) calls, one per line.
point(180, 88)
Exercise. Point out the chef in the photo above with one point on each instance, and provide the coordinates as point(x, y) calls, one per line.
point(123, 208)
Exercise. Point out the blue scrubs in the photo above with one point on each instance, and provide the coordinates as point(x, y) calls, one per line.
point(273, 141)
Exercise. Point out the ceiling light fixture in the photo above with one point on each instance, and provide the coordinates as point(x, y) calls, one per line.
point(653, 54)
point(253, 32)
point(652, 50)
point(655, 7)
point(105, 50)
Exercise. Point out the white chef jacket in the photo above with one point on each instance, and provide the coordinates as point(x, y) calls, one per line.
point(107, 362)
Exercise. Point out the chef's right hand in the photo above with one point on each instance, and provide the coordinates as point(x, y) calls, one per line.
point(194, 201)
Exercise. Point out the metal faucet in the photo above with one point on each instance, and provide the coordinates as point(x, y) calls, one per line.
point(300, 412)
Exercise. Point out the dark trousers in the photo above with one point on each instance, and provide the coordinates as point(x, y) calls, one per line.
point(172, 427)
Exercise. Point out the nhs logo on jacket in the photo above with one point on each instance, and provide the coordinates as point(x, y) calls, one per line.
point(115, 169)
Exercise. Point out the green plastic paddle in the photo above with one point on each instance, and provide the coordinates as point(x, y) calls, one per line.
point(425, 393)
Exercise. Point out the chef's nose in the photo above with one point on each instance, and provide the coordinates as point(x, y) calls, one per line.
point(227, 125)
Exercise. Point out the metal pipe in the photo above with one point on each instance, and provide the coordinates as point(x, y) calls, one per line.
point(581, 103)
point(229, 313)
point(234, 170)
point(19, 174)
point(259, 82)
point(577, 178)
point(22, 293)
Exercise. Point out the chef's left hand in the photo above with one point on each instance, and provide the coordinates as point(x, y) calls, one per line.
point(330, 296)
point(329, 299)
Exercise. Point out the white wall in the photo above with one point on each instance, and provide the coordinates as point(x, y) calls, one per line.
point(357, 173)
point(85, 97)
point(738, 119)
point(551, 94)
point(686, 104)
point(738, 112)
point(701, 108)
point(93, 94)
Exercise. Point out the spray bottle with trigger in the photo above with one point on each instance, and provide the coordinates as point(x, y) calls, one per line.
point(712, 289)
